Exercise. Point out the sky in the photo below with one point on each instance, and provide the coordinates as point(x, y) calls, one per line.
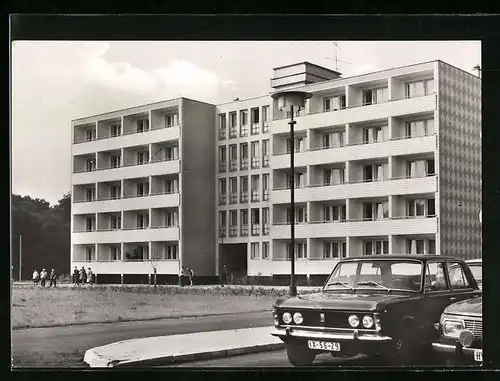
point(55, 82)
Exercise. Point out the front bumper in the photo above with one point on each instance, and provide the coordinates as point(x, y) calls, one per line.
point(354, 336)
point(457, 350)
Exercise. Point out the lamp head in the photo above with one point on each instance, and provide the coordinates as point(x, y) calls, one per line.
point(289, 99)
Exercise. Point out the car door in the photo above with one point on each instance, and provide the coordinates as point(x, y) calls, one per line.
point(461, 283)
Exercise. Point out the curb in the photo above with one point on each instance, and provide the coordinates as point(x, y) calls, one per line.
point(191, 357)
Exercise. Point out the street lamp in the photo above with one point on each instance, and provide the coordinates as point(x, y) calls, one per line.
point(292, 101)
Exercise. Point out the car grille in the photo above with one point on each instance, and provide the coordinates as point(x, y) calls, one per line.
point(476, 326)
point(332, 319)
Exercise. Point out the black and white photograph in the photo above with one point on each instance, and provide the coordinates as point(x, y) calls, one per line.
point(246, 204)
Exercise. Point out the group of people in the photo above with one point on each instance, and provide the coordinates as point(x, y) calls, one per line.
point(42, 277)
point(186, 275)
point(81, 276)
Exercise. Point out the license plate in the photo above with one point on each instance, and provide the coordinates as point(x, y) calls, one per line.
point(323, 345)
point(478, 356)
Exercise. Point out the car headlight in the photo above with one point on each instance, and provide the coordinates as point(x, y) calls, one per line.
point(368, 321)
point(452, 328)
point(287, 317)
point(353, 321)
point(298, 318)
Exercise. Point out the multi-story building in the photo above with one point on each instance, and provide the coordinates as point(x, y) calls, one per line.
point(386, 162)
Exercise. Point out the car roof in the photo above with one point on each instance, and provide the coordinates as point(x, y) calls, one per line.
point(476, 260)
point(420, 257)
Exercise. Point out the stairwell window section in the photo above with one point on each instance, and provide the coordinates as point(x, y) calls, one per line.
point(171, 120)
point(222, 191)
point(244, 189)
point(255, 183)
point(233, 190)
point(115, 161)
point(222, 224)
point(300, 250)
point(334, 139)
point(142, 125)
point(90, 194)
point(265, 221)
point(334, 103)
point(90, 224)
point(171, 219)
point(222, 126)
point(265, 153)
point(171, 250)
point(243, 123)
point(116, 130)
point(375, 134)
point(265, 119)
point(171, 186)
point(115, 192)
point(334, 249)
point(233, 157)
point(299, 180)
point(90, 165)
point(300, 215)
point(115, 222)
point(375, 172)
point(333, 176)
point(232, 125)
point(299, 144)
point(91, 135)
point(255, 221)
point(376, 95)
point(419, 128)
point(244, 222)
point(375, 247)
point(142, 221)
point(421, 208)
point(254, 250)
point(142, 189)
point(419, 88)
point(265, 186)
point(265, 250)
point(254, 147)
point(255, 121)
point(375, 211)
point(243, 156)
point(233, 223)
point(142, 157)
point(334, 213)
point(222, 159)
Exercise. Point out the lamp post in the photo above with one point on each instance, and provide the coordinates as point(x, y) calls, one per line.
point(292, 101)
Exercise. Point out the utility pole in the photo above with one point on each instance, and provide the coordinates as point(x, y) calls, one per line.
point(20, 254)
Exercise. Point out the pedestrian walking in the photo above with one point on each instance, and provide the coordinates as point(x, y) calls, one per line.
point(53, 278)
point(223, 276)
point(191, 276)
point(36, 277)
point(76, 276)
point(90, 276)
point(83, 276)
point(43, 277)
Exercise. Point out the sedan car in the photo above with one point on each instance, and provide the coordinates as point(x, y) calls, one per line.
point(461, 329)
point(385, 306)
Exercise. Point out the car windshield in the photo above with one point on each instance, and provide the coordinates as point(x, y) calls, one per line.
point(477, 272)
point(403, 275)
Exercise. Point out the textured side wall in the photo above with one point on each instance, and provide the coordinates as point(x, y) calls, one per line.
point(459, 162)
point(198, 187)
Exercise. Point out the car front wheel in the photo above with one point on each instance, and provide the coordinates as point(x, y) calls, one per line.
point(299, 356)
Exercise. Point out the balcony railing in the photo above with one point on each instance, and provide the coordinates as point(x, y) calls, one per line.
point(244, 197)
point(127, 196)
point(233, 231)
point(255, 229)
point(265, 195)
point(233, 133)
point(233, 165)
point(265, 127)
point(255, 196)
point(255, 129)
point(126, 165)
point(364, 219)
point(233, 198)
point(265, 161)
point(222, 134)
point(222, 166)
point(222, 232)
point(244, 230)
point(243, 164)
point(222, 199)
point(255, 162)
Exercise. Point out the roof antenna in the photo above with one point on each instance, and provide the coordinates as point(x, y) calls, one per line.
point(337, 48)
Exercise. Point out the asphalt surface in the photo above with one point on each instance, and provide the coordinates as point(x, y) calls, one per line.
point(65, 346)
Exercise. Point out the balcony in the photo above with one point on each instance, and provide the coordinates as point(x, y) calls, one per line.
point(157, 200)
point(157, 168)
point(303, 266)
point(126, 235)
point(395, 186)
point(359, 114)
point(358, 228)
point(321, 156)
point(128, 140)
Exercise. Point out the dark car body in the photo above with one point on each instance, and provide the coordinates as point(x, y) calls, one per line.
point(465, 346)
point(396, 314)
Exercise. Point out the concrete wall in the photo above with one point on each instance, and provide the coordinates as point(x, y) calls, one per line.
point(198, 172)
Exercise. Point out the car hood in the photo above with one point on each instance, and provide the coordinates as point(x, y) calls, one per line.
point(473, 307)
point(340, 300)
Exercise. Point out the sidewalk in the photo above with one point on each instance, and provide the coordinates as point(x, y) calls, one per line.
point(166, 350)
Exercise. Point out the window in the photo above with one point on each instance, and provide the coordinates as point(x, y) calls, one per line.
point(420, 88)
point(265, 153)
point(419, 128)
point(373, 96)
point(142, 189)
point(416, 168)
point(90, 224)
point(116, 222)
point(90, 194)
point(334, 103)
point(435, 279)
point(171, 186)
point(265, 250)
point(255, 188)
point(457, 276)
point(298, 146)
point(300, 250)
point(232, 124)
point(116, 130)
point(255, 154)
point(115, 253)
point(255, 222)
point(222, 126)
point(299, 180)
point(333, 176)
point(142, 157)
point(222, 159)
point(243, 123)
point(244, 222)
point(375, 134)
point(171, 120)
point(375, 247)
point(430, 169)
point(265, 119)
point(244, 189)
point(265, 221)
point(243, 156)
point(375, 172)
point(255, 121)
point(334, 249)
point(222, 223)
point(91, 134)
point(375, 211)
point(115, 191)
point(171, 251)
point(142, 221)
point(233, 190)
point(115, 161)
point(89, 253)
point(171, 219)
point(300, 214)
point(333, 139)
point(415, 246)
point(265, 186)
point(90, 165)
point(254, 250)
point(222, 191)
point(142, 125)
point(233, 223)
point(171, 153)
point(334, 212)
point(233, 157)
point(431, 246)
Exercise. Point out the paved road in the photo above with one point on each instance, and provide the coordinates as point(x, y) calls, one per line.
point(275, 359)
point(65, 346)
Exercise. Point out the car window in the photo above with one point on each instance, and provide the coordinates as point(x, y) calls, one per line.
point(477, 271)
point(457, 276)
point(345, 273)
point(435, 279)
